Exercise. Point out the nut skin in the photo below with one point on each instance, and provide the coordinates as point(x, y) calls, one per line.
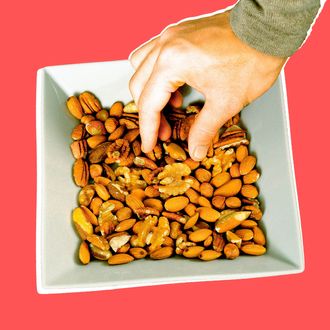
point(74, 107)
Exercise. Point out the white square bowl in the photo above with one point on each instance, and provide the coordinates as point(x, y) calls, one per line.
point(57, 268)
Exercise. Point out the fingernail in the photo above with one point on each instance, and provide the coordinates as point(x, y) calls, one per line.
point(200, 152)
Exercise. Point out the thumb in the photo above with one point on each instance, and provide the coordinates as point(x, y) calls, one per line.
point(207, 122)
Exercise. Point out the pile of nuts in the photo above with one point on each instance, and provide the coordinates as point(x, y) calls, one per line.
point(159, 204)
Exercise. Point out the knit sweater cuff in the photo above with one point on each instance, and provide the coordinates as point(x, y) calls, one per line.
point(275, 27)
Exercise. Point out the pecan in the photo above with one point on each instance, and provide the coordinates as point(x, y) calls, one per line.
point(99, 153)
point(145, 211)
point(80, 172)
point(89, 103)
point(79, 149)
point(132, 134)
point(175, 216)
point(116, 191)
point(117, 152)
point(136, 146)
point(129, 123)
point(78, 132)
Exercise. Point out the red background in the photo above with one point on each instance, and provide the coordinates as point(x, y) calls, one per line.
point(39, 33)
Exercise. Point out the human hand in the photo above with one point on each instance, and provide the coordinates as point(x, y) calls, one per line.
point(205, 54)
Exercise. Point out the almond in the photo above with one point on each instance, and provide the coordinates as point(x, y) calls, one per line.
point(101, 191)
point(220, 179)
point(116, 109)
point(162, 253)
point(206, 189)
point(74, 107)
point(258, 236)
point(202, 201)
point(208, 255)
point(233, 238)
point(253, 249)
point(95, 170)
point(203, 175)
point(218, 202)
point(176, 204)
point(78, 132)
point(90, 216)
point(125, 225)
point(175, 151)
point(119, 259)
point(96, 140)
point(138, 253)
point(95, 205)
point(248, 224)
point(84, 254)
point(200, 235)
point(241, 153)
point(190, 209)
point(251, 177)
point(124, 213)
point(83, 226)
point(192, 251)
point(230, 221)
point(230, 188)
point(233, 202)
point(191, 221)
point(244, 234)
point(208, 214)
point(234, 171)
point(247, 165)
point(249, 191)
point(192, 195)
point(191, 163)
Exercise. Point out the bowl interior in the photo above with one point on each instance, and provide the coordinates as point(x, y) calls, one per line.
point(57, 268)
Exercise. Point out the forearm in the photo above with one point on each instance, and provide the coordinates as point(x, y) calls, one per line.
point(275, 27)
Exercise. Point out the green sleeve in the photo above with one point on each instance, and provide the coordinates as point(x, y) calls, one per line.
point(275, 27)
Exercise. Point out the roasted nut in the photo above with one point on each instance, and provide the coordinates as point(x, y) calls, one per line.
point(117, 133)
point(241, 153)
point(120, 259)
point(101, 191)
point(154, 203)
point(176, 204)
point(74, 107)
point(203, 175)
point(218, 202)
point(258, 236)
point(175, 229)
point(86, 119)
point(208, 255)
point(220, 179)
point(96, 140)
point(206, 189)
point(192, 251)
point(231, 188)
point(95, 170)
point(95, 205)
point(233, 202)
point(78, 132)
point(251, 177)
point(190, 209)
point(208, 214)
point(99, 254)
point(111, 125)
point(162, 253)
point(234, 171)
point(203, 201)
point(124, 213)
point(138, 253)
point(125, 225)
point(247, 164)
point(249, 191)
point(200, 235)
point(230, 220)
point(89, 103)
point(175, 151)
point(84, 254)
point(85, 195)
point(231, 251)
point(233, 238)
point(80, 172)
point(253, 249)
point(116, 109)
point(191, 221)
point(218, 242)
point(98, 241)
point(130, 108)
point(102, 115)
